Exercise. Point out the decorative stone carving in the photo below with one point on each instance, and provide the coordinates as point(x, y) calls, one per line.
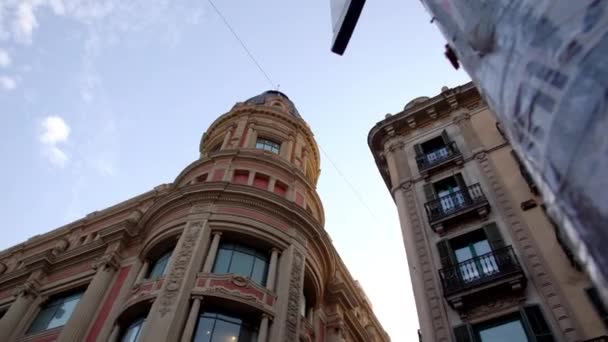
point(176, 276)
point(492, 305)
point(293, 299)
point(60, 246)
point(480, 155)
point(29, 288)
point(108, 261)
point(462, 117)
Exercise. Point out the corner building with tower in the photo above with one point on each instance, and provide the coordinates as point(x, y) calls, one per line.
point(234, 249)
point(485, 261)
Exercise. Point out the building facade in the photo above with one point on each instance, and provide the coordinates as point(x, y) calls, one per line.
point(233, 249)
point(486, 263)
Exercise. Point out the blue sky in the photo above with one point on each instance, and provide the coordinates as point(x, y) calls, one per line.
point(102, 100)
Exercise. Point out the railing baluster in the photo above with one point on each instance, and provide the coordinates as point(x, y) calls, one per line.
point(480, 269)
point(454, 201)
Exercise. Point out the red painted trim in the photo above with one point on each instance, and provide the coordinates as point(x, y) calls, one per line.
point(107, 305)
point(218, 175)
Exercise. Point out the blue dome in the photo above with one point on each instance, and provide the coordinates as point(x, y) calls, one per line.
point(270, 96)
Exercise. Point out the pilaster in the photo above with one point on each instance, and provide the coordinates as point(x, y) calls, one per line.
point(167, 315)
point(524, 243)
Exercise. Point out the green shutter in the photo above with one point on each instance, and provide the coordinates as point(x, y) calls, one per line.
point(445, 137)
point(464, 333)
point(460, 181)
point(418, 150)
point(493, 235)
point(536, 325)
point(446, 254)
point(429, 191)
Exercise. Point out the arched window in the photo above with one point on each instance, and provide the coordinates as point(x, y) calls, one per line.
point(219, 327)
point(241, 260)
point(133, 331)
point(268, 145)
point(159, 266)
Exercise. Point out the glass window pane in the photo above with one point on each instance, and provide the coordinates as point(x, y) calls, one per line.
point(512, 331)
point(63, 312)
point(463, 254)
point(43, 318)
point(160, 266)
point(204, 329)
point(241, 264)
point(225, 332)
point(482, 247)
point(245, 249)
point(222, 261)
point(259, 271)
point(132, 332)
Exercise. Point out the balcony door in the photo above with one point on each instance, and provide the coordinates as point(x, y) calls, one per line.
point(451, 193)
point(475, 259)
point(472, 256)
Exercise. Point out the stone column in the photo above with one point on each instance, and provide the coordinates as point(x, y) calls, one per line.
point(192, 319)
point(142, 272)
point(272, 269)
point(91, 300)
point(26, 294)
point(263, 332)
point(115, 334)
point(212, 252)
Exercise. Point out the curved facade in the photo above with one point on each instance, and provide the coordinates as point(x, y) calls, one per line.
point(233, 249)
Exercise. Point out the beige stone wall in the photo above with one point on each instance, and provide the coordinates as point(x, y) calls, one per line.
point(109, 253)
point(551, 281)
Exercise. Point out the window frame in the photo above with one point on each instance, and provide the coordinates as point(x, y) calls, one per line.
point(53, 304)
point(243, 249)
point(266, 144)
point(244, 323)
point(138, 322)
point(166, 256)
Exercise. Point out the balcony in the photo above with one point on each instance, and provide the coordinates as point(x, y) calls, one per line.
point(456, 205)
point(438, 159)
point(497, 271)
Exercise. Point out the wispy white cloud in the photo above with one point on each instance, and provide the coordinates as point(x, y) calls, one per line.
point(7, 83)
point(25, 21)
point(55, 131)
point(5, 59)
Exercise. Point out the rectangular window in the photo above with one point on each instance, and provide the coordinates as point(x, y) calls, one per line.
point(55, 313)
point(261, 181)
point(526, 325)
point(267, 145)
point(241, 177)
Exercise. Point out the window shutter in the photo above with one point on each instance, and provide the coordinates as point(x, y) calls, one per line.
point(445, 137)
point(445, 253)
point(493, 236)
point(460, 181)
point(418, 150)
point(464, 333)
point(429, 191)
point(536, 324)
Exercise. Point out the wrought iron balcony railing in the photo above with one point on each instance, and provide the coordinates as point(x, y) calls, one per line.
point(429, 160)
point(479, 270)
point(454, 202)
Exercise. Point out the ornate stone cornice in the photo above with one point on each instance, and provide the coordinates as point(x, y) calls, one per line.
point(461, 117)
point(29, 288)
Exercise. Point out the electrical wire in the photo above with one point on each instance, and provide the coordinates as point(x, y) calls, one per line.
point(272, 84)
point(236, 36)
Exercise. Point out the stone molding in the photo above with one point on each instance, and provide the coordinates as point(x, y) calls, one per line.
point(293, 299)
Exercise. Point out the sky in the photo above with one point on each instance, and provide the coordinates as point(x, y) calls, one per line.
point(102, 100)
